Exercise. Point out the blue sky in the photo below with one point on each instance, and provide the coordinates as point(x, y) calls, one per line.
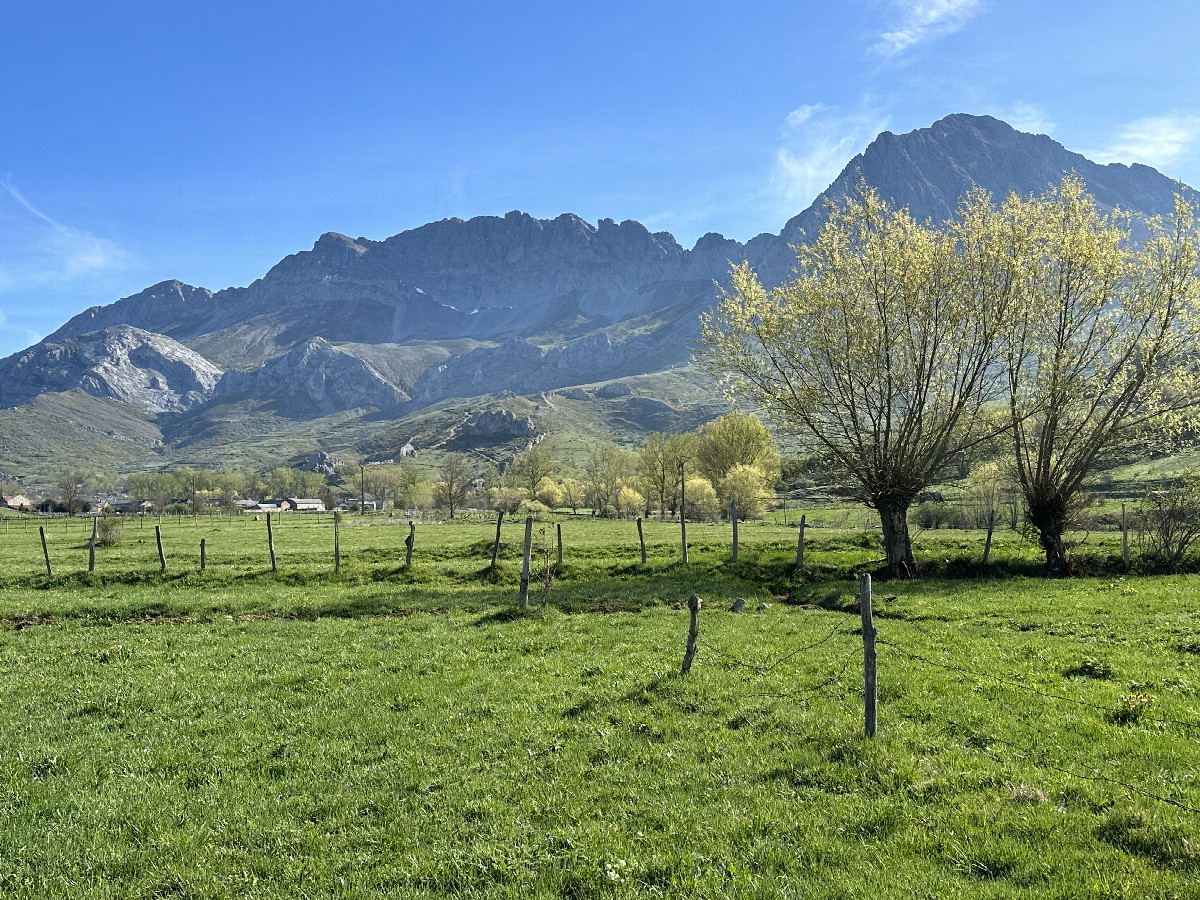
point(141, 141)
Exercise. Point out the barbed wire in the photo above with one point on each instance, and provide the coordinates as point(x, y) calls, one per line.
point(763, 669)
point(812, 689)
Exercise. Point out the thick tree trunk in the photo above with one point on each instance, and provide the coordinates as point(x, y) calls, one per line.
point(893, 516)
point(1049, 516)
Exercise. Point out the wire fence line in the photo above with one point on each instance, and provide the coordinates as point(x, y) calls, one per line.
point(765, 668)
point(1037, 755)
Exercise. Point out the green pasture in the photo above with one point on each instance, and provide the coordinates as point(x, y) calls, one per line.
point(385, 731)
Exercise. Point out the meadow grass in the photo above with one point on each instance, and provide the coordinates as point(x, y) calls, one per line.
point(408, 733)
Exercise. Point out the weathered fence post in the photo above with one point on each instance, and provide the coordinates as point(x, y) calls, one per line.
point(203, 557)
point(683, 511)
point(523, 602)
point(641, 540)
point(733, 519)
point(693, 637)
point(408, 544)
point(558, 529)
point(1124, 536)
point(987, 544)
point(496, 543)
point(337, 541)
point(92, 544)
point(870, 684)
point(45, 551)
point(271, 543)
point(800, 545)
point(162, 557)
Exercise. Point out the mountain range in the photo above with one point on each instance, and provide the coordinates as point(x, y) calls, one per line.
point(358, 347)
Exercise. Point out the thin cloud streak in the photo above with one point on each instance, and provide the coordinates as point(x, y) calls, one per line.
point(816, 144)
point(924, 20)
point(1156, 141)
point(45, 251)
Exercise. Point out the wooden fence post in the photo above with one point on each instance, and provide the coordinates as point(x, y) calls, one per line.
point(45, 551)
point(800, 545)
point(870, 684)
point(271, 543)
point(496, 543)
point(683, 511)
point(203, 557)
point(162, 557)
point(987, 544)
point(92, 544)
point(558, 528)
point(642, 541)
point(337, 542)
point(733, 519)
point(1124, 536)
point(408, 544)
point(689, 653)
point(524, 601)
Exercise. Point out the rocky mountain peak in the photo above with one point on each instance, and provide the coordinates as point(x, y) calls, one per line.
point(120, 362)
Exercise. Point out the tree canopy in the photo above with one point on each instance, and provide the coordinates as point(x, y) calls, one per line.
point(879, 348)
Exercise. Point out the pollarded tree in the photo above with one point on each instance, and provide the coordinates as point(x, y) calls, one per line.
point(879, 349)
point(1102, 345)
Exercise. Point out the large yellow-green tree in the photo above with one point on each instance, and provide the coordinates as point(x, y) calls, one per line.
point(880, 349)
point(1103, 344)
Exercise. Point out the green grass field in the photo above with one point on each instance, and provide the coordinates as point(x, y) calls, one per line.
point(405, 732)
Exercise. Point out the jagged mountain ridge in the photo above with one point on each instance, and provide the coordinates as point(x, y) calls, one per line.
point(537, 305)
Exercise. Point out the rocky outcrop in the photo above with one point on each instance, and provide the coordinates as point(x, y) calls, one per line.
point(316, 379)
point(613, 389)
point(496, 424)
point(120, 363)
point(322, 463)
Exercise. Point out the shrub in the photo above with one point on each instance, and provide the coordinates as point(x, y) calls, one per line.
point(108, 531)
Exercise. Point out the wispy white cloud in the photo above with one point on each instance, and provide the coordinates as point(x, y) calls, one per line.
point(816, 142)
point(14, 337)
point(38, 250)
point(924, 20)
point(1027, 117)
point(1156, 141)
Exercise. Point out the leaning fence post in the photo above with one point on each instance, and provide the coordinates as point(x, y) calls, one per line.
point(92, 544)
point(800, 546)
point(496, 543)
point(45, 551)
point(162, 557)
point(641, 540)
point(693, 637)
point(525, 563)
point(1124, 536)
point(987, 544)
point(271, 543)
point(408, 544)
point(870, 684)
